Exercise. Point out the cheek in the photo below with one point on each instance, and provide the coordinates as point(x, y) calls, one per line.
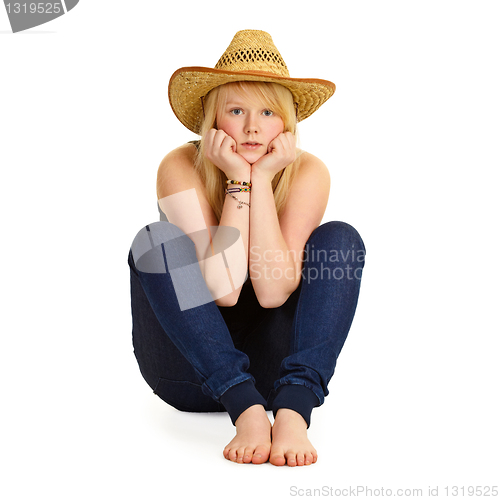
point(225, 125)
point(220, 123)
point(278, 128)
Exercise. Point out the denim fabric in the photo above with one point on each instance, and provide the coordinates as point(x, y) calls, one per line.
point(212, 358)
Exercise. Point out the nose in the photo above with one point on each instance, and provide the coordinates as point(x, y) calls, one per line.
point(251, 125)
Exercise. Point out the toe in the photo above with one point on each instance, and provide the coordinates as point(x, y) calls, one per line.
point(261, 455)
point(277, 457)
point(300, 459)
point(247, 456)
point(232, 455)
point(308, 459)
point(239, 455)
point(291, 459)
point(226, 453)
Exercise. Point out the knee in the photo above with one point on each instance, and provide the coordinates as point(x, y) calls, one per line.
point(337, 235)
point(335, 249)
point(156, 242)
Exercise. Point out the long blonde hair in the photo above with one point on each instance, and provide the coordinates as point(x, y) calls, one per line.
point(272, 96)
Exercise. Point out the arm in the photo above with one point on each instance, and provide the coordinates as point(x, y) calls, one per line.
point(276, 246)
point(221, 151)
point(176, 175)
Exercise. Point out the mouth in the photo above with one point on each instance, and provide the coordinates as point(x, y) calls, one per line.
point(251, 145)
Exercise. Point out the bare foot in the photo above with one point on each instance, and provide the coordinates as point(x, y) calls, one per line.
point(290, 443)
point(252, 442)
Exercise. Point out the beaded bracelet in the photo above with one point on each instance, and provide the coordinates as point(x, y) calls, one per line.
point(240, 190)
point(240, 202)
point(242, 183)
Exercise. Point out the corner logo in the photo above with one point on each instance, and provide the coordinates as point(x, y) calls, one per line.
point(26, 15)
point(161, 248)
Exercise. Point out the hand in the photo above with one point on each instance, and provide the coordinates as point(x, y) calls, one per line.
point(220, 149)
point(281, 152)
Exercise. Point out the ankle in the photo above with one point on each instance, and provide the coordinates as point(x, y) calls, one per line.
point(286, 415)
point(251, 414)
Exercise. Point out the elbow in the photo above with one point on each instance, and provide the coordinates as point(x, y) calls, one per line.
point(270, 298)
point(228, 300)
point(272, 301)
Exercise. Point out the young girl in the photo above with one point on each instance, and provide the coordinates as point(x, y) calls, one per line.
point(206, 339)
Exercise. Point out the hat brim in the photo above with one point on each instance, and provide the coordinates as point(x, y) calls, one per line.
point(188, 85)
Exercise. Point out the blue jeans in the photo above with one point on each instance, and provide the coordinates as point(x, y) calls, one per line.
point(211, 358)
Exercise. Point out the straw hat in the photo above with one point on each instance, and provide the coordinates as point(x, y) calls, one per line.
point(251, 56)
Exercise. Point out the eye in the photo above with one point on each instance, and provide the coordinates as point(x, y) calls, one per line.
point(236, 111)
point(267, 112)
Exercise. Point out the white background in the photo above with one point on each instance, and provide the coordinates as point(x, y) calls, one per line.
point(411, 141)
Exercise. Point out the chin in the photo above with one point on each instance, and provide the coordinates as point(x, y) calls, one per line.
point(251, 158)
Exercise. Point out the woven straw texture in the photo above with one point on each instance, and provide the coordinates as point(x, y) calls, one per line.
point(251, 56)
point(253, 50)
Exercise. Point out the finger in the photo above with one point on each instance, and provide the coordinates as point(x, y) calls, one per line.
point(273, 144)
point(219, 138)
point(286, 139)
point(209, 139)
point(228, 144)
point(291, 139)
point(289, 145)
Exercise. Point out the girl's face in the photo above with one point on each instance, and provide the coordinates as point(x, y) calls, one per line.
point(251, 126)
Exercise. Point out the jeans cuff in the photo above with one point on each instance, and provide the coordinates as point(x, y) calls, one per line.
point(240, 397)
point(298, 398)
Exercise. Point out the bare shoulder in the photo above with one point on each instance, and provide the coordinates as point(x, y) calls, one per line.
point(312, 180)
point(177, 174)
point(176, 171)
point(312, 167)
point(186, 152)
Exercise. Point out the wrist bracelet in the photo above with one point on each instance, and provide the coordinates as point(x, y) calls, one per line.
point(240, 202)
point(242, 183)
point(239, 190)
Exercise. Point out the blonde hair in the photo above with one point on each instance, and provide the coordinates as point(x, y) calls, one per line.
point(271, 95)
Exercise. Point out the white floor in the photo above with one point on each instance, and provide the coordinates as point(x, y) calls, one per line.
point(88, 426)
